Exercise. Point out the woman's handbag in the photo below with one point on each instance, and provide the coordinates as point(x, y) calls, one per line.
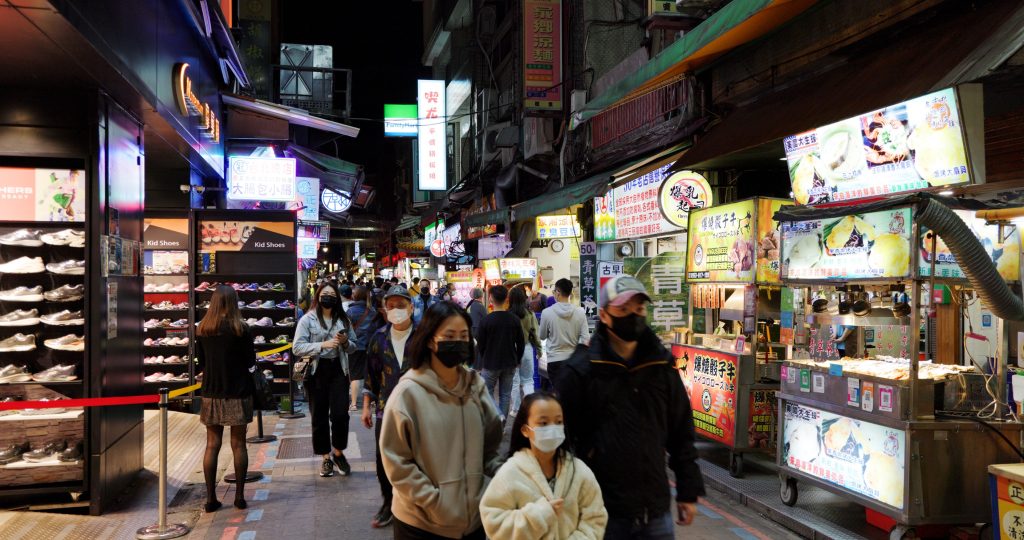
point(300, 369)
point(262, 396)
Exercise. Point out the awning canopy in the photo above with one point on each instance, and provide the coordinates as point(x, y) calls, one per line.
point(575, 193)
point(753, 133)
point(332, 172)
point(733, 25)
point(483, 219)
point(408, 222)
point(294, 116)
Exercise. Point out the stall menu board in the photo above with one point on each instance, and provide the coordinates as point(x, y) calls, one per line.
point(518, 268)
point(42, 195)
point(560, 226)
point(712, 377)
point(761, 424)
point(860, 456)
point(662, 276)
point(651, 204)
point(909, 146)
point(1005, 252)
point(720, 244)
point(769, 240)
point(861, 246)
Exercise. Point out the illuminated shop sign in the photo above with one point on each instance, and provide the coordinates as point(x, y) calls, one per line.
point(189, 103)
point(261, 179)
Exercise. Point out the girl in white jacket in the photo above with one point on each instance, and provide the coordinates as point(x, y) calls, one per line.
point(542, 491)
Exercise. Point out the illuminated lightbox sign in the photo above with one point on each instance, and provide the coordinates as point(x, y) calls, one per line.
point(261, 179)
point(400, 120)
point(433, 154)
point(335, 202)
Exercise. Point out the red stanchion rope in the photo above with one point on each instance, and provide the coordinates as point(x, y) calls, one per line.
point(84, 402)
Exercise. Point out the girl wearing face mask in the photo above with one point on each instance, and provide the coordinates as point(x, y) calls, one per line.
point(440, 432)
point(324, 334)
point(542, 491)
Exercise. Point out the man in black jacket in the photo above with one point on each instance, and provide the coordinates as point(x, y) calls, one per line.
point(500, 344)
point(625, 407)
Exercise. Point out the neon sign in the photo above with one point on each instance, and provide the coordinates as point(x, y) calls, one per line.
point(189, 104)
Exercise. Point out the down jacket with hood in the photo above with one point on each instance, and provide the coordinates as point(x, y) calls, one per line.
point(438, 445)
point(516, 505)
point(564, 326)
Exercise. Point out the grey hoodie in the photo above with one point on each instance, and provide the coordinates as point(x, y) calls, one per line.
point(437, 445)
point(564, 326)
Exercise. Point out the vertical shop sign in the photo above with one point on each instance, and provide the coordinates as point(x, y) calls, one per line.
point(604, 217)
point(433, 156)
point(588, 278)
point(607, 270)
point(761, 423)
point(542, 55)
point(712, 377)
point(306, 205)
point(112, 310)
point(662, 276)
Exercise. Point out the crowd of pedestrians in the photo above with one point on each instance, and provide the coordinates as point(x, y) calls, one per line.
point(440, 383)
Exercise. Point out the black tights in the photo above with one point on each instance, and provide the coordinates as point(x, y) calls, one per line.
point(214, 439)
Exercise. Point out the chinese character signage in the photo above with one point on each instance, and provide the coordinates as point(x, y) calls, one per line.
point(713, 378)
point(588, 278)
point(492, 271)
point(650, 204)
point(335, 201)
point(314, 230)
point(863, 246)
point(764, 408)
point(1009, 505)
point(662, 276)
point(768, 240)
point(542, 54)
point(1005, 252)
point(400, 120)
point(862, 457)
point(720, 243)
point(607, 270)
point(261, 179)
point(42, 195)
point(307, 190)
point(563, 226)
point(432, 148)
point(518, 269)
point(909, 146)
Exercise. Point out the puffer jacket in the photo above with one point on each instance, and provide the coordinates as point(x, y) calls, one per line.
point(623, 416)
point(438, 446)
point(516, 505)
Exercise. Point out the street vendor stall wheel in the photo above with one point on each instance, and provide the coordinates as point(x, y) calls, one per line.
point(902, 532)
point(736, 465)
point(787, 491)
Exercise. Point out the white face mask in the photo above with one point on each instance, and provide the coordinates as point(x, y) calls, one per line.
point(548, 438)
point(398, 315)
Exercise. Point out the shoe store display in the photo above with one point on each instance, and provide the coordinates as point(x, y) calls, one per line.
point(45, 452)
point(287, 304)
point(207, 286)
point(287, 321)
point(23, 265)
point(69, 342)
point(14, 374)
point(250, 287)
point(255, 304)
point(22, 237)
point(18, 343)
point(48, 410)
point(65, 293)
point(265, 322)
point(59, 373)
point(281, 339)
point(71, 454)
point(180, 323)
point(21, 317)
point(64, 318)
point(10, 399)
point(203, 305)
point(72, 267)
point(266, 287)
point(153, 377)
point(181, 287)
point(13, 452)
point(67, 237)
point(259, 340)
point(23, 294)
point(279, 287)
point(269, 304)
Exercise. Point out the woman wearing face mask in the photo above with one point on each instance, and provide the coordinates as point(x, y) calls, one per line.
point(440, 433)
point(323, 334)
point(542, 491)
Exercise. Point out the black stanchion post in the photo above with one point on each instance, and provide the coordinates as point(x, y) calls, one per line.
point(260, 437)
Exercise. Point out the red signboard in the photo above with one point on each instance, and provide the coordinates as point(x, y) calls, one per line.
point(761, 424)
point(542, 54)
point(713, 378)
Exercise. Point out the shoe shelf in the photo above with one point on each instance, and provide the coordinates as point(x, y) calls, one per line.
point(39, 430)
point(66, 415)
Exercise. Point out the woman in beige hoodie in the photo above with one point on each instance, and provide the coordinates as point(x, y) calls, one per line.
point(542, 491)
point(440, 433)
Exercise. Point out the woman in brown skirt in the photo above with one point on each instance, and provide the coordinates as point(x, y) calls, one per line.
point(226, 357)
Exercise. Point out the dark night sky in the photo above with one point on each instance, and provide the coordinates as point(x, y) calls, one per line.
point(382, 43)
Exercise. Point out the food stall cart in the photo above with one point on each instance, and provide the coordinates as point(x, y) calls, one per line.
point(730, 361)
point(885, 431)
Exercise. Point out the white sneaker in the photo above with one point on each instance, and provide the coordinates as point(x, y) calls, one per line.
point(67, 237)
point(155, 377)
point(23, 265)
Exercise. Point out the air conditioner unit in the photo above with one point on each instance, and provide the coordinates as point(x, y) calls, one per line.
point(538, 134)
point(498, 136)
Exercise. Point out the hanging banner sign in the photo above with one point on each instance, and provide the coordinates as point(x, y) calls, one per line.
point(650, 204)
point(720, 243)
point(588, 278)
point(562, 226)
point(433, 153)
point(863, 246)
point(314, 230)
point(542, 55)
point(862, 457)
point(712, 377)
point(261, 179)
point(518, 268)
point(909, 146)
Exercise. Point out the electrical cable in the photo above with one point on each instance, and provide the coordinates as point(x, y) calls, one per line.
point(987, 425)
